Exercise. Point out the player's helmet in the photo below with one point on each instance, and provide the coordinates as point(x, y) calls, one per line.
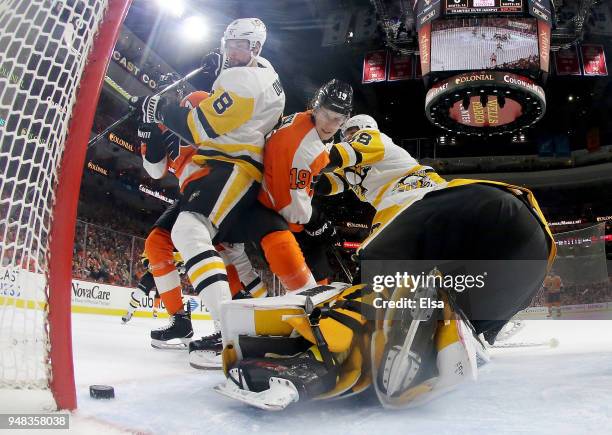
point(335, 95)
point(166, 80)
point(361, 122)
point(251, 29)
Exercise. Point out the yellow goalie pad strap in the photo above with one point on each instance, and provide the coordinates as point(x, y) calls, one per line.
point(350, 373)
point(337, 335)
point(229, 358)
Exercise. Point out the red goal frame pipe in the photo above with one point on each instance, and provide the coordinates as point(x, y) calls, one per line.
point(61, 238)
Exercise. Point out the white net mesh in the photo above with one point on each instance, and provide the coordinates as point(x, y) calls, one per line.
point(44, 45)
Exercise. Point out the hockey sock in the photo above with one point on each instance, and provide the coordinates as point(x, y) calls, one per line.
point(204, 266)
point(137, 295)
point(233, 279)
point(236, 258)
point(286, 260)
point(160, 251)
point(256, 288)
point(173, 300)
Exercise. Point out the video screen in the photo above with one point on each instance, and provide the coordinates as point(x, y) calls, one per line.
point(484, 43)
point(483, 6)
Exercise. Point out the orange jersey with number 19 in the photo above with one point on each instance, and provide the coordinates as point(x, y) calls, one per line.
point(293, 155)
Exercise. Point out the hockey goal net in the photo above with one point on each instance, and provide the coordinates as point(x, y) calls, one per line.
point(53, 55)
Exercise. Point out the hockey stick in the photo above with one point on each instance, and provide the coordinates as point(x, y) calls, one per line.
point(345, 269)
point(552, 343)
point(130, 98)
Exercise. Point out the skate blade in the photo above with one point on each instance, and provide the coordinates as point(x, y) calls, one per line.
point(280, 394)
point(171, 344)
point(204, 360)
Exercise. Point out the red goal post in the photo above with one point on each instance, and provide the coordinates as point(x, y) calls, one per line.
point(54, 54)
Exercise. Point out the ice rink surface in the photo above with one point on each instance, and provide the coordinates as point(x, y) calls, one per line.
point(562, 390)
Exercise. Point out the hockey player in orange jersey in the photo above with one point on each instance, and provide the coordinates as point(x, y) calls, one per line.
point(294, 156)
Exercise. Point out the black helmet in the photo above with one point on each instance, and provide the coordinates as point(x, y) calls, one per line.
point(335, 95)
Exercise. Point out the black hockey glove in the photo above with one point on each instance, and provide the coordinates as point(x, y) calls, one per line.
point(212, 63)
point(148, 108)
point(152, 137)
point(320, 227)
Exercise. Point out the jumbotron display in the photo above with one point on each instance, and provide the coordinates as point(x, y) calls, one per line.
point(484, 43)
point(484, 62)
point(483, 6)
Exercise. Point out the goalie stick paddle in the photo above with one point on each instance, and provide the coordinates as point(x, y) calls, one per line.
point(128, 98)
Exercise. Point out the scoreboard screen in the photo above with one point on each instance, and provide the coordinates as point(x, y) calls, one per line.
point(477, 43)
point(483, 6)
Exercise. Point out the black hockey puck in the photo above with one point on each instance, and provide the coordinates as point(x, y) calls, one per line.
point(101, 391)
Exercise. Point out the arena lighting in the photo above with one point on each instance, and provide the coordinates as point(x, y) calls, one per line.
point(194, 29)
point(173, 7)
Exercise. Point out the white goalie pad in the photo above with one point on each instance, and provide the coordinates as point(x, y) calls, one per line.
point(265, 316)
point(280, 394)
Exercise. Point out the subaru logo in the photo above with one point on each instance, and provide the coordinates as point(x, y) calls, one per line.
point(193, 304)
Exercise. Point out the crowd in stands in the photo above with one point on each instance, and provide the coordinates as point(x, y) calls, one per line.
point(109, 244)
point(578, 294)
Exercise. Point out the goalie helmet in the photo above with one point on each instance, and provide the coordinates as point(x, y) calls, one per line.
point(251, 29)
point(336, 96)
point(360, 122)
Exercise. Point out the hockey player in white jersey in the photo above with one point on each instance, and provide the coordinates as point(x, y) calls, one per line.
point(229, 127)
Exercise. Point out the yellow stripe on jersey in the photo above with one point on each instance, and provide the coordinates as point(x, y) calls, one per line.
point(343, 149)
point(368, 146)
point(250, 169)
point(235, 188)
point(232, 148)
point(337, 185)
point(219, 114)
point(206, 268)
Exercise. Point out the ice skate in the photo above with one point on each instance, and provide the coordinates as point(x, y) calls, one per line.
point(175, 335)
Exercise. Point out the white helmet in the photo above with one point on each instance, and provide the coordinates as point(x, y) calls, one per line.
point(251, 29)
point(361, 122)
